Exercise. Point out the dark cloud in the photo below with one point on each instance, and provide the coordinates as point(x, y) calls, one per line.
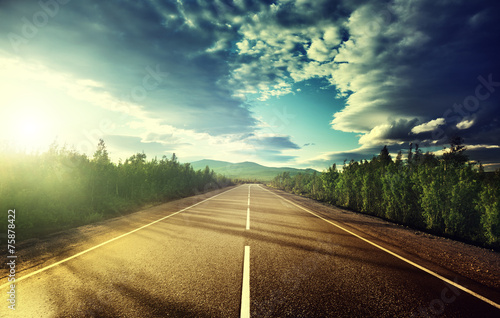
point(265, 154)
point(276, 156)
point(366, 153)
point(399, 64)
point(268, 148)
point(422, 61)
point(361, 154)
point(391, 133)
point(273, 143)
point(402, 66)
point(280, 158)
point(487, 155)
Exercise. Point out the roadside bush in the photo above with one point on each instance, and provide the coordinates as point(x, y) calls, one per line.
point(61, 188)
point(445, 195)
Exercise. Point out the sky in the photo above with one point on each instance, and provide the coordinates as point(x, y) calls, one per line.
point(292, 83)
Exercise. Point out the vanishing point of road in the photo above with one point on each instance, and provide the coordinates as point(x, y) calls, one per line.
point(245, 252)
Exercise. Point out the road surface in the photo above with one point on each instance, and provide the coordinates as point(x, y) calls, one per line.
point(246, 252)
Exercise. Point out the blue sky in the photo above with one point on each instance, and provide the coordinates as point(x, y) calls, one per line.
point(283, 83)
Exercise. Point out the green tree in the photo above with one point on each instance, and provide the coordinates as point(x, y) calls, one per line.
point(446, 194)
point(455, 156)
point(488, 205)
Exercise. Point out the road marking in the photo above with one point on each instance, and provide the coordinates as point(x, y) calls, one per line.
point(111, 240)
point(446, 280)
point(248, 210)
point(248, 219)
point(249, 195)
point(245, 289)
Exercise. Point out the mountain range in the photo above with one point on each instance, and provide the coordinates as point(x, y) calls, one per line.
point(246, 170)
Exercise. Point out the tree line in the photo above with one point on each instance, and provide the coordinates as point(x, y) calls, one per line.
point(62, 188)
point(446, 195)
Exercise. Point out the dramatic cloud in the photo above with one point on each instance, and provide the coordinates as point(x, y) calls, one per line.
point(417, 61)
point(184, 71)
point(393, 133)
point(148, 53)
point(418, 71)
point(395, 60)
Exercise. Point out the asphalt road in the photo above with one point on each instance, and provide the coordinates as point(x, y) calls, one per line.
point(245, 252)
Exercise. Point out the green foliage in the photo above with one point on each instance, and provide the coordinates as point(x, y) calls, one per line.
point(488, 205)
point(445, 195)
point(61, 188)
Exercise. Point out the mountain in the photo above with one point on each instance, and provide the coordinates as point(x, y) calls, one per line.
point(245, 170)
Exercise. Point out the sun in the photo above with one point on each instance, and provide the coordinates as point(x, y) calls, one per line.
point(25, 125)
point(30, 128)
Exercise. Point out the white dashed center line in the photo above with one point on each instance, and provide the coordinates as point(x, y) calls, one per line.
point(245, 290)
point(248, 210)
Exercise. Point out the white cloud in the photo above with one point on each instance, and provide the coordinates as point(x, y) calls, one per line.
point(272, 53)
point(387, 134)
point(218, 46)
point(372, 73)
point(319, 51)
point(376, 135)
point(475, 147)
point(429, 126)
point(465, 124)
point(332, 36)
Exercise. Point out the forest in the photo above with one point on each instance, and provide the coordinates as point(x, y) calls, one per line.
point(61, 189)
point(446, 195)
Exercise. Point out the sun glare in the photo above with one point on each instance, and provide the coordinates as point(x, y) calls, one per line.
point(29, 128)
point(26, 126)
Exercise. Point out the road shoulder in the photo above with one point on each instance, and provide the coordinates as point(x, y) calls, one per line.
point(34, 254)
point(475, 263)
